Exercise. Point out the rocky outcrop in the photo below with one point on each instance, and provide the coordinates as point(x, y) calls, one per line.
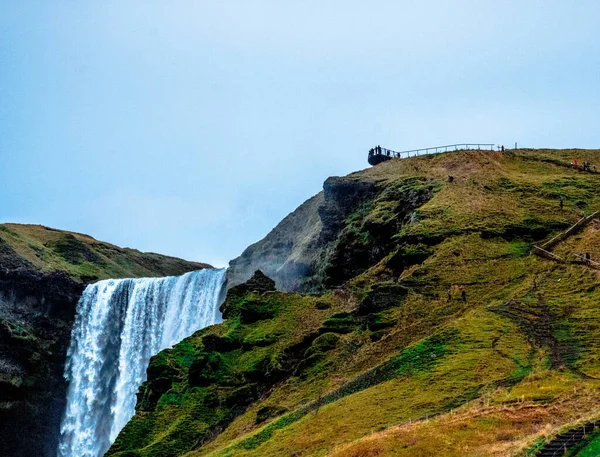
point(333, 236)
point(258, 283)
point(342, 196)
point(287, 254)
point(42, 275)
point(293, 251)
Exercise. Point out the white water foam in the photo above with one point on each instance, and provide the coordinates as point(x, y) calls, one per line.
point(119, 325)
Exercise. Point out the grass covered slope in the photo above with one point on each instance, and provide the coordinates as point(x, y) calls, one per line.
point(82, 257)
point(395, 361)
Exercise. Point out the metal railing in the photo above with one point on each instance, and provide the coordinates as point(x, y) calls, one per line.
point(436, 150)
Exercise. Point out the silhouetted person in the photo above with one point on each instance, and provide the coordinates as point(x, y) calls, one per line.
point(502, 148)
point(449, 293)
point(463, 294)
point(378, 149)
point(561, 203)
point(588, 257)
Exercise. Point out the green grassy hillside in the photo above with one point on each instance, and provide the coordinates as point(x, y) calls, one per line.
point(82, 257)
point(394, 362)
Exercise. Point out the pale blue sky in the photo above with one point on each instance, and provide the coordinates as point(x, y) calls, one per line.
point(192, 128)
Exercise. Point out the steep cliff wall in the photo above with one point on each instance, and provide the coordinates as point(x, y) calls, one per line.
point(333, 236)
point(42, 274)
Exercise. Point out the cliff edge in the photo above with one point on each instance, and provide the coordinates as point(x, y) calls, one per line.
point(43, 272)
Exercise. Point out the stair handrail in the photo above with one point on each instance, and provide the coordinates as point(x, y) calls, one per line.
point(571, 438)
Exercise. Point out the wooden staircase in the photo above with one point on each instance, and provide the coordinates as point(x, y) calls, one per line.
point(545, 249)
point(567, 440)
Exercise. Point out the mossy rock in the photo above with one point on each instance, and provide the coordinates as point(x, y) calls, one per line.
point(259, 370)
point(376, 323)
point(252, 311)
point(377, 335)
point(381, 297)
point(205, 369)
point(226, 343)
point(323, 343)
point(317, 351)
point(322, 305)
point(211, 397)
point(242, 396)
point(161, 366)
point(260, 341)
point(408, 255)
point(339, 323)
point(253, 289)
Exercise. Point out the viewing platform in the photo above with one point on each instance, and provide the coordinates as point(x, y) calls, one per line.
point(379, 154)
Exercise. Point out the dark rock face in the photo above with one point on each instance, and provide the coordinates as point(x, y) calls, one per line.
point(342, 196)
point(292, 253)
point(335, 235)
point(36, 314)
point(366, 240)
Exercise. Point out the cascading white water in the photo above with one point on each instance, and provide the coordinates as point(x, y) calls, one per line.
point(119, 325)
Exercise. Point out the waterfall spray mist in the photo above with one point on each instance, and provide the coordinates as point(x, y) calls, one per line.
point(119, 325)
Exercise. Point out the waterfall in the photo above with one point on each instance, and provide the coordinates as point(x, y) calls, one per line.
point(119, 325)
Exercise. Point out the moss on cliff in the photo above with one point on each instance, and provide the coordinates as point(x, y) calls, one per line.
point(396, 361)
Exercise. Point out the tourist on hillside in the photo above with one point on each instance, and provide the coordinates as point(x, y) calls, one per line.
point(502, 148)
point(463, 294)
